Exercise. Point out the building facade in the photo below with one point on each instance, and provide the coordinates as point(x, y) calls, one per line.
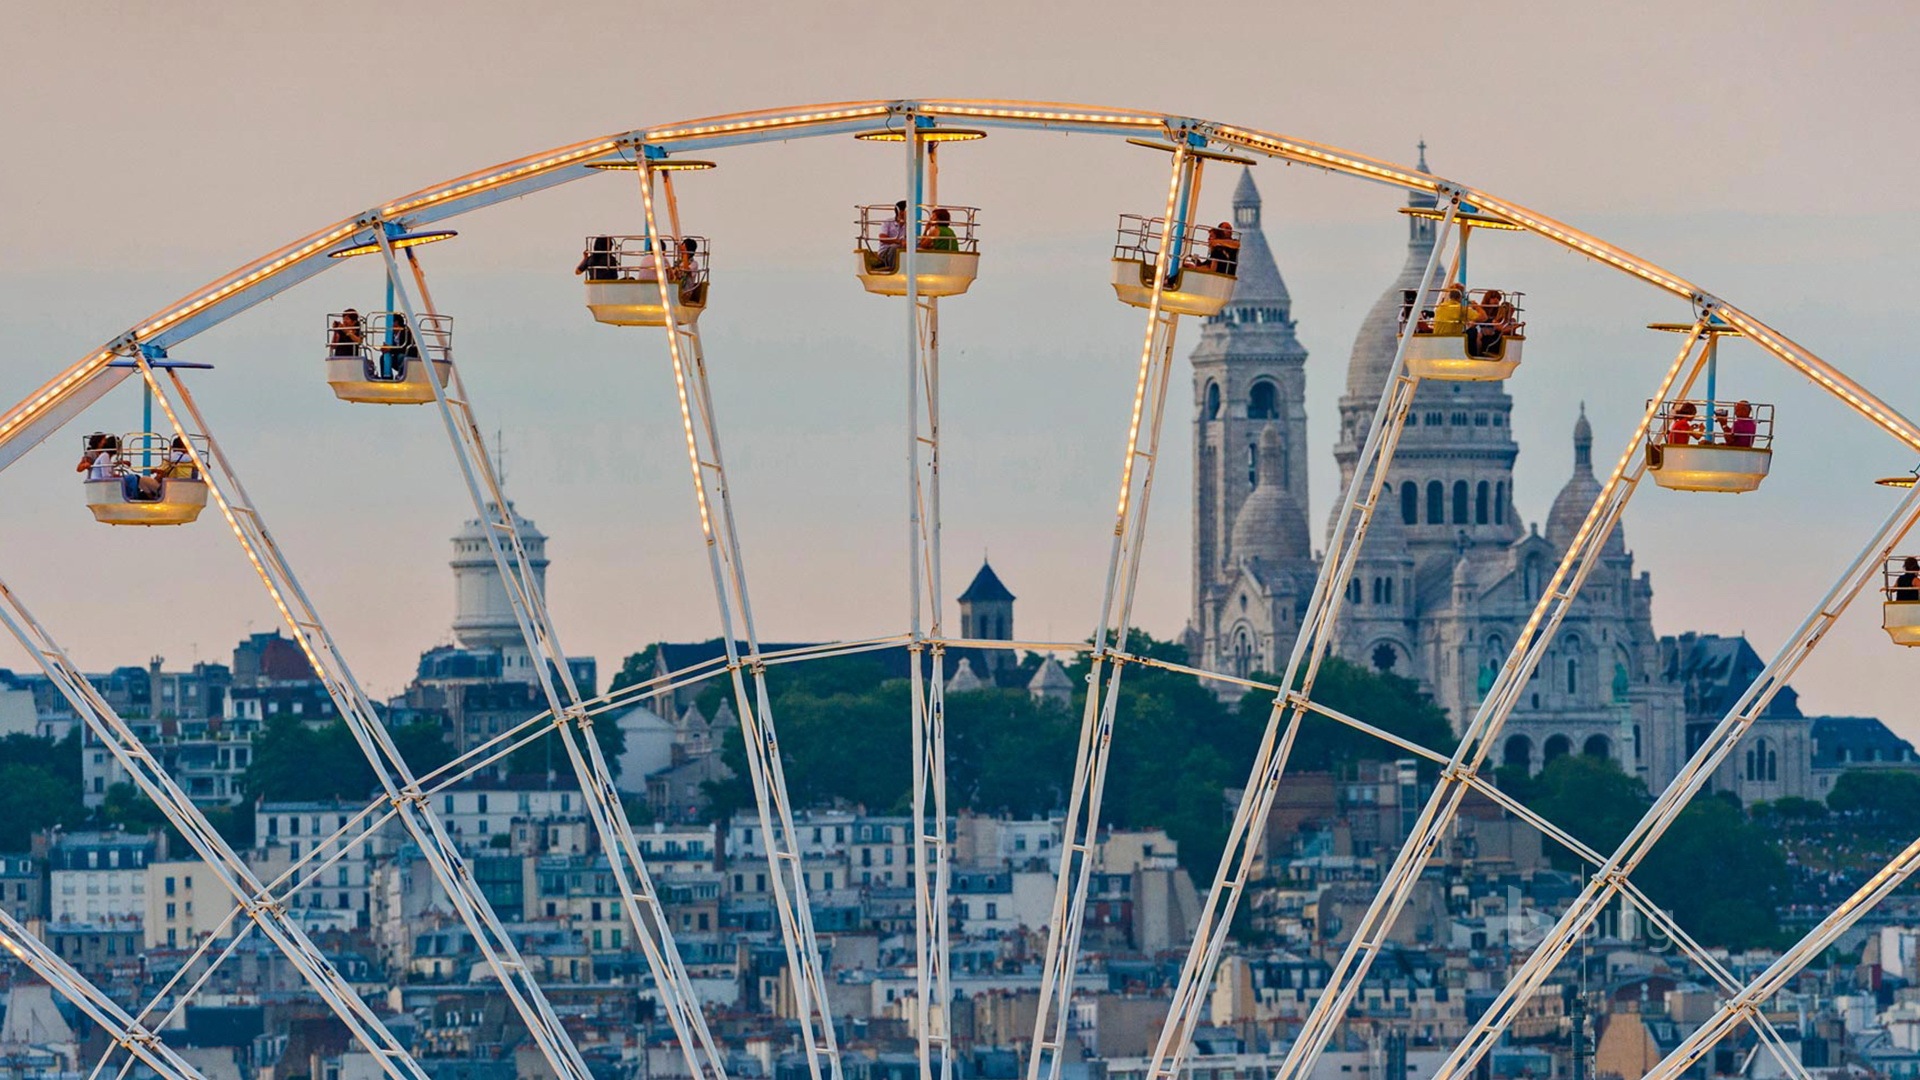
point(1450, 571)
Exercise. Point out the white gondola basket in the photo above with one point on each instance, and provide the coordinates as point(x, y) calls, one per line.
point(1901, 618)
point(358, 379)
point(1708, 467)
point(178, 503)
point(938, 273)
point(1193, 290)
point(637, 303)
point(1445, 357)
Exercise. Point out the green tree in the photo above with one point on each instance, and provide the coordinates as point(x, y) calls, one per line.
point(1009, 753)
point(423, 745)
point(1893, 797)
point(1385, 700)
point(1721, 876)
point(33, 798)
point(548, 754)
point(61, 759)
point(1590, 798)
point(296, 763)
point(635, 669)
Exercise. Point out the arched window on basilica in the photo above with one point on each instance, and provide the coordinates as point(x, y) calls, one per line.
point(1242, 653)
point(1213, 401)
point(1558, 746)
point(1763, 762)
point(1459, 502)
point(1263, 401)
point(1570, 647)
point(1518, 752)
point(1597, 746)
point(1436, 495)
point(1409, 502)
point(1482, 503)
point(1499, 502)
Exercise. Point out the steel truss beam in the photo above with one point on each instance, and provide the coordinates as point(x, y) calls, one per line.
point(1310, 647)
point(255, 899)
point(1744, 1007)
point(727, 564)
point(933, 983)
point(45, 410)
point(1081, 829)
point(396, 777)
point(1612, 875)
point(1437, 817)
point(651, 927)
point(143, 1044)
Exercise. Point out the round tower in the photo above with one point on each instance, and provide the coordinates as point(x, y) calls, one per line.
point(1452, 475)
point(482, 617)
point(1249, 379)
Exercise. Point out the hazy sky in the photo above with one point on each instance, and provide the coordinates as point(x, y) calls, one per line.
point(1767, 152)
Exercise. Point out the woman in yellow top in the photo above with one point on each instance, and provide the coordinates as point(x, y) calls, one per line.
point(1450, 314)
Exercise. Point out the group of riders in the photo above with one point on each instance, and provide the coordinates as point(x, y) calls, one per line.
point(1485, 322)
point(105, 459)
point(347, 339)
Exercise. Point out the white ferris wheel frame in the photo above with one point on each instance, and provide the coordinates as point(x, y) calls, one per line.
point(406, 796)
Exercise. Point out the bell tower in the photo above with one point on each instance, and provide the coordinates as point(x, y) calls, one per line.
point(1249, 377)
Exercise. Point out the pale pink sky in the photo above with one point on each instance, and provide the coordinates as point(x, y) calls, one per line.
point(1768, 154)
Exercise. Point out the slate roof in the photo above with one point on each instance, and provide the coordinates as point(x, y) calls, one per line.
point(986, 587)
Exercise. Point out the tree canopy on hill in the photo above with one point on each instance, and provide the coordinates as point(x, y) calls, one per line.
point(845, 738)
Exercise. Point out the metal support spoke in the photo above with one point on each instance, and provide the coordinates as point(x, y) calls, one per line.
point(91, 1000)
point(1082, 825)
point(1303, 663)
point(225, 864)
point(394, 774)
point(933, 984)
point(726, 563)
point(640, 899)
point(1716, 748)
point(1437, 816)
point(1745, 1005)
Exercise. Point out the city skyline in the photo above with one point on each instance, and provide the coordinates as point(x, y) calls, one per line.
point(823, 526)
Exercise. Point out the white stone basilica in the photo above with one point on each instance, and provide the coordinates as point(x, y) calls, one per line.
point(1449, 573)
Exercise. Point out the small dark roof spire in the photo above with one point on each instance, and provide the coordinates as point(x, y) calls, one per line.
point(986, 587)
point(1423, 156)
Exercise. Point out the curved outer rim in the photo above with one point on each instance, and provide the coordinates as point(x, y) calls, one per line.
point(40, 414)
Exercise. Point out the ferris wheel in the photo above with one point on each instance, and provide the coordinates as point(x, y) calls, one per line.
point(657, 280)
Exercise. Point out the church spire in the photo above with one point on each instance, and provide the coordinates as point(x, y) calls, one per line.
point(1583, 442)
point(1246, 202)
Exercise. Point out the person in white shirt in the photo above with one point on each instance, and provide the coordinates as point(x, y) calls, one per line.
point(97, 459)
point(893, 238)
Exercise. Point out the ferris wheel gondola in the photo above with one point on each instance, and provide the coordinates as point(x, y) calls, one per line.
point(380, 359)
point(1185, 286)
point(1462, 334)
point(1709, 444)
point(144, 477)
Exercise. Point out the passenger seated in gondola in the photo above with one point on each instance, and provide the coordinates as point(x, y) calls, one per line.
point(1742, 428)
point(97, 459)
point(939, 234)
point(892, 240)
point(598, 264)
point(178, 464)
point(1682, 426)
point(1906, 587)
point(1492, 319)
point(687, 266)
point(1450, 315)
point(399, 348)
point(346, 335)
point(1223, 250)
